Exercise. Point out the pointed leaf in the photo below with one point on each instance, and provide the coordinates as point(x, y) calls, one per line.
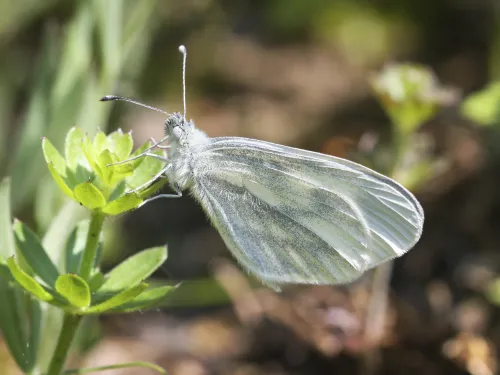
point(11, 323)
point(483, 106)
point(27, 282)
point(74, 149)
point(4, 272)
point(53, 156)
point(100, 142)
point(117, 300)
point(89, 195)
point(148, 169)
point(153, 188)
point(35, 312)
point(75, 246)
point(120, 144)
point(74, 289)
point(96, 281)
point(34, 254)
point(91, 154)
point(122, 204)
point(151, 297)
point(135, 269)
point(60, 228)
point(118, 191)
point(60, 181)
point(104, 159)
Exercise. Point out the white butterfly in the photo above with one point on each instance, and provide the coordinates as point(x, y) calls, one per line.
point(290, 215)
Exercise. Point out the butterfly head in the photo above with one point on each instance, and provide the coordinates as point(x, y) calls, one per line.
point(177, 127)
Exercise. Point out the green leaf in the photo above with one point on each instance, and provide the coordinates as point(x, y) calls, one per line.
point(118, 191)
point(153, 188)
point(144, 172)
point(117, 300)
point(135, 269)
point(73, 148)
point(34, 254)
point(120, 144)
point(96, 281)
point(55, 238)
point(52, 156)
point(75, 157)
point(122, 204)
point(34, 308)
point(483, 106)
point(74, 289)
point(75, 246)
point(100, 142)
point(410, 94)
point(27, 282)
point(12, 323)
point(151, 297)
point(60, 181)
point(4, 272)
point(91, 155)
point(104, 159)
point(89, 195)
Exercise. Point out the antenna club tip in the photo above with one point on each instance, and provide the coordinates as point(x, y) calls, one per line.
point(107, 98)
point(182, 49)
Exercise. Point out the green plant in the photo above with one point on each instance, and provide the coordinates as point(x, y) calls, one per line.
point(410, 94)
point(75, 287)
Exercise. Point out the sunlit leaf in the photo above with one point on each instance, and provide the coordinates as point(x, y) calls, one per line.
point(117, 300)
point(34, 254)
point(89, 195)
point(135, 269)
point(74, 289)
point(122, 204)
point(27, 282)
point(151, 297)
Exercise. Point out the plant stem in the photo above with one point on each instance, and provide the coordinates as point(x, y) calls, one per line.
point(68, 330)
point(90, 251)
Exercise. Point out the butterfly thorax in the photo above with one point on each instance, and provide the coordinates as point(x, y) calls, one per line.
point(185, 141)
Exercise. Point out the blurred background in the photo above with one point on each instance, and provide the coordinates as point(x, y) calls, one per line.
point(408, 88)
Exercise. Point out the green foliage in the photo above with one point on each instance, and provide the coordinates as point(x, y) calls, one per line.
point(21, 339)
point(29, 268)
point(89, 173)
point(74, 289)
point(79, 61)
point(410, 94)
point(483, 106)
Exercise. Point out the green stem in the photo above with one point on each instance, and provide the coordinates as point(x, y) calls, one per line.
point(68, 330)
point(90, 251)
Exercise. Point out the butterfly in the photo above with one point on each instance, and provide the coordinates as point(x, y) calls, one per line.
point(289, 215)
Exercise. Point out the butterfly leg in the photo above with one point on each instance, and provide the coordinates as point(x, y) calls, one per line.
point(158, 175)
point(158, 144)
point(145, 152)
point(161, 196)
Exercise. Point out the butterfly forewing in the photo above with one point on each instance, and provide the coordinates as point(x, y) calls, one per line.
point(290, 215)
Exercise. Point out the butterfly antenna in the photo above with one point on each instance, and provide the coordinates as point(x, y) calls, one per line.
point(183, 50)
point(108, 98)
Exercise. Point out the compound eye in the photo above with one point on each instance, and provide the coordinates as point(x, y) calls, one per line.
point(177, 132)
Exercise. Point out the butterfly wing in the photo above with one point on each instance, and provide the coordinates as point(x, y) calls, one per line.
point(295, 216)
